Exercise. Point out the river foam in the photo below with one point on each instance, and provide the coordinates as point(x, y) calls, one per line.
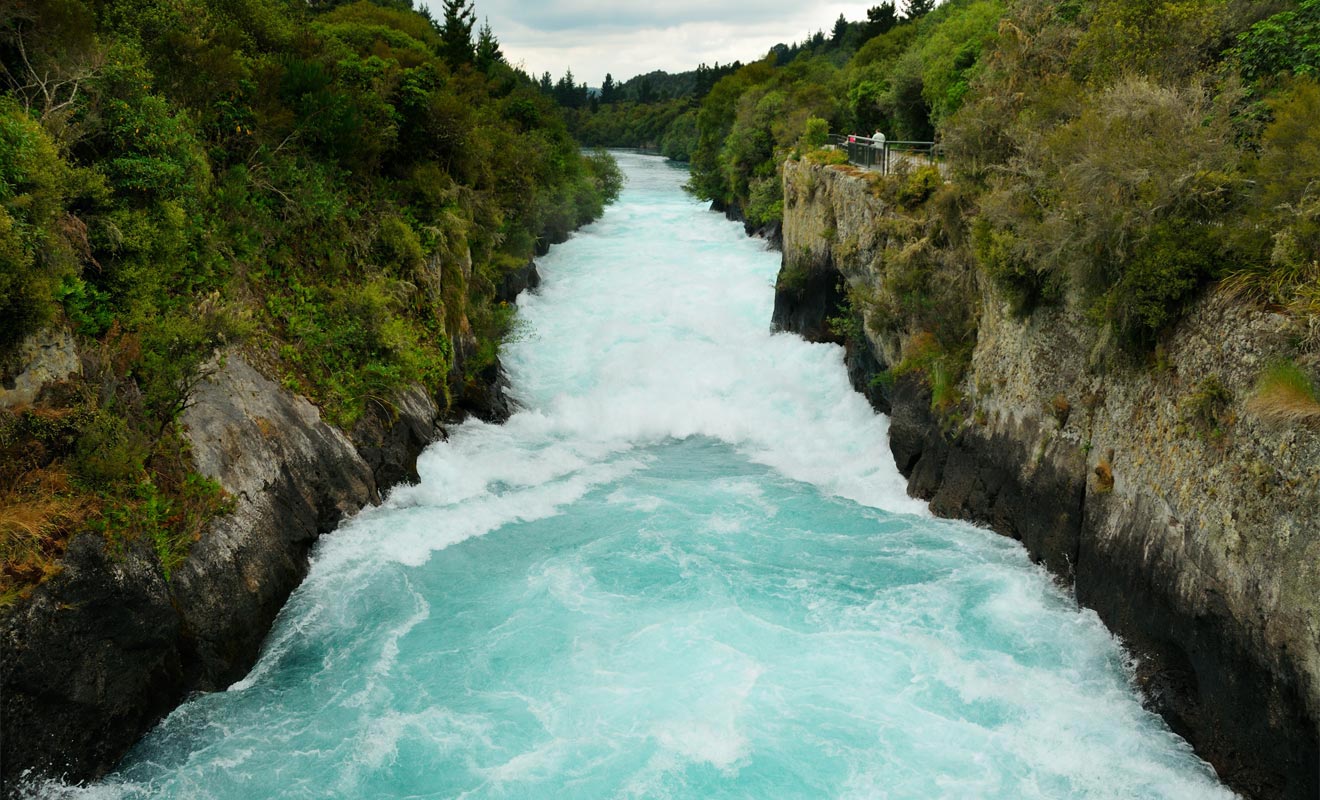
point(686, 568)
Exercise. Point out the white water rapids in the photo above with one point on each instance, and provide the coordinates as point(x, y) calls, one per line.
point(686, 569)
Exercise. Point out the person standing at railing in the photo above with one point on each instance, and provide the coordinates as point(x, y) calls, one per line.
point(878, 142)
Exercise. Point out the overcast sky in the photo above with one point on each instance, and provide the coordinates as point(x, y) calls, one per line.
point(629, 38)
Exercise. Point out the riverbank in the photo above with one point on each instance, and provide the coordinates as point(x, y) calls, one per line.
point(104, 649)
point(686, 566)
point(1189, 525)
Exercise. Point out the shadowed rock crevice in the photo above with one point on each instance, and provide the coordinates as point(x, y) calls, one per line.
point(805, 306)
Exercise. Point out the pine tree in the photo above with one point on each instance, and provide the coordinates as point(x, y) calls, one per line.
point(840, 30)
point(608, 90)
point(488, 48)
point(566, 91)
point(703, 80)
point(880, 19)
point(547, 83)
point(456, 31)
point(917, 9)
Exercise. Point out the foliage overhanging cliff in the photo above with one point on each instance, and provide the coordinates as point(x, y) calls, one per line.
point(342, 188)
point(1126, 153)
point(1114, 156)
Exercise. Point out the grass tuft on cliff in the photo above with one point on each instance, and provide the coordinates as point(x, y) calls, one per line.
point(1286, 394)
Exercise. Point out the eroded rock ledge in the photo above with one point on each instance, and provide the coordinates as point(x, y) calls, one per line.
point(1200, 548)
point(109, 646)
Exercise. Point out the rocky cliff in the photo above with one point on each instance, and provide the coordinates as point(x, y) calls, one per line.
point(101, 652)
point(1190, 526)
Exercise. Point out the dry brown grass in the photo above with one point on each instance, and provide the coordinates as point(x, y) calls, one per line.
point(1285, 395)
point(1061, 409)
point(1269, 287)
point(1104, 477)
point(1294, 288)
point(38, 514)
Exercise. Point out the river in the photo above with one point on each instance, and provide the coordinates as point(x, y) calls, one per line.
point(687, 568)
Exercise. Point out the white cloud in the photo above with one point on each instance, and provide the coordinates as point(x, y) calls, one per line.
point(594, 37)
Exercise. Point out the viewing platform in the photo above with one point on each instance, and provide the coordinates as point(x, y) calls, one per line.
point(885, 155)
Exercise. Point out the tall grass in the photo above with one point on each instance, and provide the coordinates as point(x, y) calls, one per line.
point(37, 515)
point(1285, 394)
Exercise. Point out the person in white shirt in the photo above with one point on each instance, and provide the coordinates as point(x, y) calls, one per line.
point(878, 142)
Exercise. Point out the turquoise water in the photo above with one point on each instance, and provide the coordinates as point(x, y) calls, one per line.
point(687, 569)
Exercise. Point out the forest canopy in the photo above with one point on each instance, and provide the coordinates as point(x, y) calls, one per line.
point(337, 188)
point(1126, 153)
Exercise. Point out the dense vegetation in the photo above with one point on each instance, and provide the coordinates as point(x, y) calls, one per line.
point(339, 189)
point(342, 188)
point(657, 110)
point(1118, 156)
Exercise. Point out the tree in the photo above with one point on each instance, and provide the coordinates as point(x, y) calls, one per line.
point(840, 30)
point(645, 92)
point(547, 83)
point(488, 48)
point(47, 56)
point(916, 9)
point(880, 19)
point(609, 90)
point(567, 93)
point(456, 31)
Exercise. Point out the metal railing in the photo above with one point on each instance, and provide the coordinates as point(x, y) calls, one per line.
point(884, 155)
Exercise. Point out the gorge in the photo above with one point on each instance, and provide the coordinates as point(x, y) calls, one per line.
point(686, 566)
point(991, 472)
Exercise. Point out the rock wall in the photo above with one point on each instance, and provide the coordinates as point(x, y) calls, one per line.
point(100, 653)
point(1194, 531)
point(44, 357)
point(103, 651)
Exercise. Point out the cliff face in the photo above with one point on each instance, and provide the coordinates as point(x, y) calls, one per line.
point(100, 653)
point(1191, 527)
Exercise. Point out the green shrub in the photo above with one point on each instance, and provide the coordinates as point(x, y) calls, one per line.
point(827, 157)
point(494, 324)
point(398, 249)
point(34, 252)
point(171, 522)
point(1172, 260)
point(816, 134)
point(950, 51)
point(109, 452)
point(1122, 208)
point(1155, 38)
point(918, 187)
point(1208, 410)
point(1001, 255)
point(792, 278)
point(765, 202)
point(940, 369)
point(847, 324)
point(1280, 245)
point(1288, 42)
